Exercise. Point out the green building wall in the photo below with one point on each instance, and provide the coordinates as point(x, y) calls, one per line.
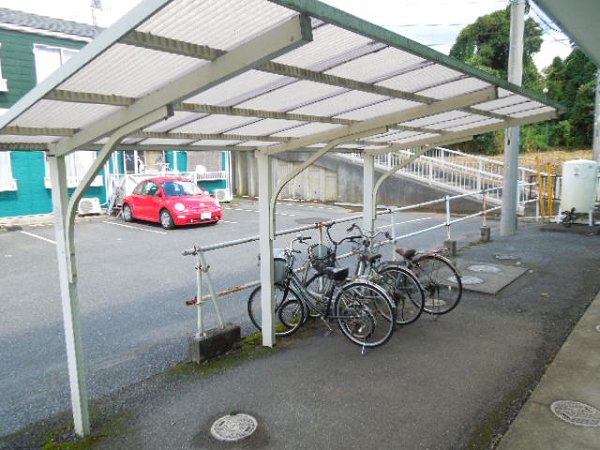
point(17, 61)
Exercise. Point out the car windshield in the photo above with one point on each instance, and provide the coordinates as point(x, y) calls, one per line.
point(180, 188)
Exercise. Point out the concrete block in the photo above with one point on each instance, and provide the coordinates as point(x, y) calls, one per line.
point(215, 342)
point(451, 246)
point(485, 234)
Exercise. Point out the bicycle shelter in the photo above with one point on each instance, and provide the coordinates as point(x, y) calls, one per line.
point(262, 76)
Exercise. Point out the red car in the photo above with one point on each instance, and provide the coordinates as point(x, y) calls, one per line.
point(171, 201)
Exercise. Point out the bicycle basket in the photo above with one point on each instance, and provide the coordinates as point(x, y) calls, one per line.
point(279, 265)
point(320, 256)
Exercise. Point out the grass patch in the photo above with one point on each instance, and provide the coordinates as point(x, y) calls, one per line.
point(65, 439)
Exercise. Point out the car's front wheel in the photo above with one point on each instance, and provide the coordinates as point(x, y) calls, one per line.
point(127, 213)
point(166, 220)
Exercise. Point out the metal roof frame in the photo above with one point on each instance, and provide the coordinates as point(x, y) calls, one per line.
point(273, 70)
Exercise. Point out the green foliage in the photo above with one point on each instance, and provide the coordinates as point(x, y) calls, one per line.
point(570, 82)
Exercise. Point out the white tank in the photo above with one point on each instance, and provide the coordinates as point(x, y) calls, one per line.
point(579, 184)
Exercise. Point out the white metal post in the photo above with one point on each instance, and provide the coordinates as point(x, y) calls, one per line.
point(265, 187)
point(508, 218)
point(68, 288)
point(393, 233)
point(369, 200)
point(448, 216)
point(596, 141)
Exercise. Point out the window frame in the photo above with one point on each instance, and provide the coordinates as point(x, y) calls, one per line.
point(9, 183)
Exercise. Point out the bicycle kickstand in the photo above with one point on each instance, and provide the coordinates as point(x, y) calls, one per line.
point(329, 331)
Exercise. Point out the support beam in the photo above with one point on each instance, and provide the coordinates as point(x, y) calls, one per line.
point(417, 112)
point(68, 290)
point(510, 190)
point(265, 183)
point(64, 212)
point(287, 36)
point(368, 193)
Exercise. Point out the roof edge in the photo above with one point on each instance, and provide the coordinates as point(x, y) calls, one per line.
point(355, 24)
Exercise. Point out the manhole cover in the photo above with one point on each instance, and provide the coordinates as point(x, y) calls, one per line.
point(576, 413)
point(233, 427)
point(469, 279)
point(598, 328)
point(484, 268)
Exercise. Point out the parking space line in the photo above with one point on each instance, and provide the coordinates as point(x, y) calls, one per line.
point(228, 221)
point(39, 237)
point(132, 227)
point(256, 211)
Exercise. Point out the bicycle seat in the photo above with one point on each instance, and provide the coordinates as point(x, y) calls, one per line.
point(407, 253)
point(374, 258)
point(336, 273)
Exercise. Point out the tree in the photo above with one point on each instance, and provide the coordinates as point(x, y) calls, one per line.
point(485, 44)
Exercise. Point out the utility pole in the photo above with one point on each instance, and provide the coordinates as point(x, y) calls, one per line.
point(596, 142)
point(508, 219)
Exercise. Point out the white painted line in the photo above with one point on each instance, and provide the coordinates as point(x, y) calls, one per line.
point(38, 237)
point(228, 221)
point(256, 211)
point(407, 221)
point(132, 227)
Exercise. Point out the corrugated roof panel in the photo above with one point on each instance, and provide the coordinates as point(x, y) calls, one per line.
point(416, 137)
point(501, 103)
point(53, 114)
point(379, 109)
point(240, 88)
point(304, 130)
point(375, 66)
point(437, 118)
point(455, 88)
point(215, 123)
point(215, 143)
point(8, 138)
point(328, 43)
point(134, 71)
point(254, 144)
point(224, 23)
point(513, 109)
point(532, 112)
point(266, 127)
point(164, 142)
point(178, 119)
point(394, 136)
point(448, 124)
point(487, 121)
point(347, 101)
point(421, 79)
point(292, 96)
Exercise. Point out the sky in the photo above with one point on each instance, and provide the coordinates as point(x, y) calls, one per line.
point(434, 23)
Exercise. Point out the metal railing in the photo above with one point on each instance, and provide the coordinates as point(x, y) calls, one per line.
point(456, 171)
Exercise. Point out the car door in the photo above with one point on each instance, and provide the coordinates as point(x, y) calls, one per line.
point(136, 200)
point(152, 201)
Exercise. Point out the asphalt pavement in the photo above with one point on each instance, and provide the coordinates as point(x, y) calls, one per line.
point(454, 382)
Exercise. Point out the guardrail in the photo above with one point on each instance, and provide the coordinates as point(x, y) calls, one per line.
point(203, 267)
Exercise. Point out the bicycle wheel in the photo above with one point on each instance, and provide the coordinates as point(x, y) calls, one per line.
point(289, 310)
point(317, 287)
point(440, 281)
point(365, 313)
point(406, 292)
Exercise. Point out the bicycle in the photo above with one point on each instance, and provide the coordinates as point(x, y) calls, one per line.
point(399, 282)
point(363, 310)
point(439, 277)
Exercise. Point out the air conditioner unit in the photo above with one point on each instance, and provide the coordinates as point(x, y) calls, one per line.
point(89, 206)
point(223, 195)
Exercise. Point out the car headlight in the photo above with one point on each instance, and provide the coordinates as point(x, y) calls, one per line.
point(179, 207)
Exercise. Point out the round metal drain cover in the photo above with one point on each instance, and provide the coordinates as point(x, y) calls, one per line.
point(469, 279)
point(576, 413)
point(484, 268)
point(598, 328)
point(233, 427)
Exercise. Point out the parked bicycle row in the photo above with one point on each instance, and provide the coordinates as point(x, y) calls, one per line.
point(367, 303)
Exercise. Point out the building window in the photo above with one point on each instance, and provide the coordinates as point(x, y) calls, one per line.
point(3, 82)
point(77, 164)
point(48, 59)
point(7, 182)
